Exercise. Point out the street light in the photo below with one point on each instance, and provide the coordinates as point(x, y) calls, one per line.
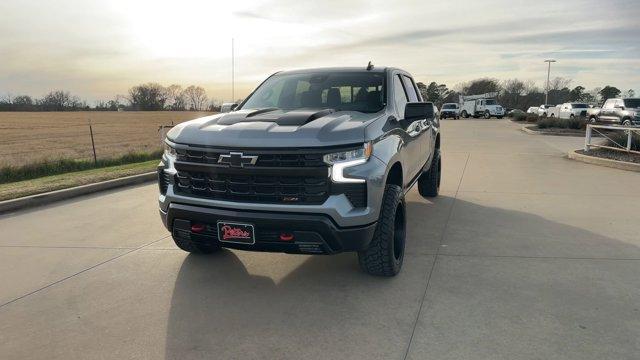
point(546, 97)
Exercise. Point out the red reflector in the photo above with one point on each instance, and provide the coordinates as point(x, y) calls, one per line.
point(286, 236)
point(197, 228)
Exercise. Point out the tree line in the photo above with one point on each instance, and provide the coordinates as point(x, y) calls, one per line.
point(519, 94)
point(143, 97)
point(512, 93)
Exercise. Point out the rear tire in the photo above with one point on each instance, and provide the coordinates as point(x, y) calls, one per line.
point(429, 182)
point(190, 246)
point(385, 254)
point(464, 114)
point(627, 122)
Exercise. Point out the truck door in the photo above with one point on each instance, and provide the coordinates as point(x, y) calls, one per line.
point(605, 112)
point(426, 125)
point(411, 130)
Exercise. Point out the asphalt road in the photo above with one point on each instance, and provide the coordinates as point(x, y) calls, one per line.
point(526, 255)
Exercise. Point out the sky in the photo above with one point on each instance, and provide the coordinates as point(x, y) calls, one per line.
point(98, 49)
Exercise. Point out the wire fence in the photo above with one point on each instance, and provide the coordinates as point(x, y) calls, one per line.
point(89, 141)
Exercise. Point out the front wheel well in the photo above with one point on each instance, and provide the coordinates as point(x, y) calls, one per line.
point(395, 175)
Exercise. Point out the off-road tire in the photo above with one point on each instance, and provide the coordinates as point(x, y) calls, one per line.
point(385, 254)
point(487, 115)
point(429, 181)
point(190, 246)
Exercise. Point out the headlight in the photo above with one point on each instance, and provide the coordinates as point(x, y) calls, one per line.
point(344, 159)
point(169, 150)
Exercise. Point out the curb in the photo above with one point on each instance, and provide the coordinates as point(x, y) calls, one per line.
point(616, 164)
point(542, 132)
point(63, 194)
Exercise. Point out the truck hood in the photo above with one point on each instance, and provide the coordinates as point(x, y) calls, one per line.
point(274, 128)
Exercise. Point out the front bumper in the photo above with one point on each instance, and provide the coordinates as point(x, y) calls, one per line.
point(313, 233)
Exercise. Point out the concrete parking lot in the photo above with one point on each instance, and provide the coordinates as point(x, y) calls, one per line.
point(525, 255)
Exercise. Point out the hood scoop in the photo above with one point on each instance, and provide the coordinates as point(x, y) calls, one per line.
point(291, 118)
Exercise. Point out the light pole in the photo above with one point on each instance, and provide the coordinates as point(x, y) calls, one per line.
point(546, 97)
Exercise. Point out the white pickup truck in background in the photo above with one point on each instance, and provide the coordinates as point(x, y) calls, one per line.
point(568, 110)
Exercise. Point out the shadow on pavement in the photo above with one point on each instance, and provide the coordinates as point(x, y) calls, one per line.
point(325, 307)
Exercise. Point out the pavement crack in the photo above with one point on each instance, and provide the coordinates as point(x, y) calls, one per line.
point(80, 272)
point(435, 259)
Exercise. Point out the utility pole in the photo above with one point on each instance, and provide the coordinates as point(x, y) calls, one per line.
point(546, 97)
point(233, 89)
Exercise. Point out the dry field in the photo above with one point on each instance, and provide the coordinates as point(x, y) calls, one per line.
point(27, 137)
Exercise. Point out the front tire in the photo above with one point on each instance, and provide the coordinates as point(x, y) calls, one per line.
point(465, 114)
point(627, 122)
point(385, 254)
point(487, 115)
point(429, 182)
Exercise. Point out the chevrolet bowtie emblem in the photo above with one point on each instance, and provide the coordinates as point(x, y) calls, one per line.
point(237, 159)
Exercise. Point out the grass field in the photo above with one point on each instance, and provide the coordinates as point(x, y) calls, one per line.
point(29, 137)
point(56, 182)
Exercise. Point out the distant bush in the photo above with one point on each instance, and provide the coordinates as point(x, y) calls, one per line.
point(531, 118)
point(519, 115)
point(552, 122)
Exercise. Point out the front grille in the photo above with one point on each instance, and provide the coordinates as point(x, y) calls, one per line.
point(297, 177)
point(254, 188)
point(264, 159)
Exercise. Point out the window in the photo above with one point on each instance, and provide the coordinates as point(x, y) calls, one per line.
point(341, 91)
point(632, 103)
point(399, 95)
point(608, 104)
point(410, 88)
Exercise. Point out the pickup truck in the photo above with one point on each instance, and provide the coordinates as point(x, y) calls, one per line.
point(620, 111)
point(544, 110)
point(569, 110)
point(313, 161)
point(450, 110)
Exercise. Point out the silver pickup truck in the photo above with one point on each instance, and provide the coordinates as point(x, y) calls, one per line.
point(314, 161)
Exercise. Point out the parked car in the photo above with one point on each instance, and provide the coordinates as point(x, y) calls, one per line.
point(620, 111)
point(532, 110)
point(450, 110)
point(484, 105)
point(312, 162)
point(543, 110)
point(569, 110)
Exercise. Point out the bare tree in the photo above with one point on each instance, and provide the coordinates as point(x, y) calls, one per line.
point(196, 97)
point(176, 99)
point(559, 83)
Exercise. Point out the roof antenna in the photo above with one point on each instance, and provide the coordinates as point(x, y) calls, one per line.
point(369, 66)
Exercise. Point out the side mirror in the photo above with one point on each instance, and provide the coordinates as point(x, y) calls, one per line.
point(418, 110)
point(621, 107)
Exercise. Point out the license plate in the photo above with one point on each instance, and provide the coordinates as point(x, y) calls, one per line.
point(237, 233)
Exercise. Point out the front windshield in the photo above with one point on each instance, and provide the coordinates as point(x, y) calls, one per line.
point(490, 102)
point(341, 91)
point(579, 106)
point(449, 106)
point(632, 103)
